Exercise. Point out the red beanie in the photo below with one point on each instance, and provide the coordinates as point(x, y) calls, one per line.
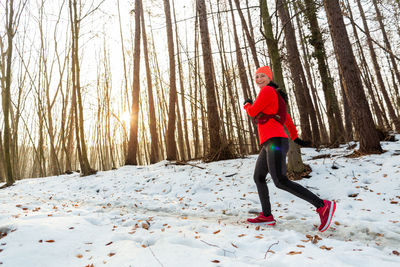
point(266, 70)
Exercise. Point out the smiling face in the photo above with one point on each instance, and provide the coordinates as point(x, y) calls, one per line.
point(262, 80)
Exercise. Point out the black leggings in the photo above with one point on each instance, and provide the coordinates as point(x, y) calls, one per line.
point(272, 159)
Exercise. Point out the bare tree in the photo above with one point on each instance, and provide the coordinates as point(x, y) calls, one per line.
point(361, 114)
point(131, 157)
point(378, 73)
point(75, 20)
point(12, 21)
point(171, 144)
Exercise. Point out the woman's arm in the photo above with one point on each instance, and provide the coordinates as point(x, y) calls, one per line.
point(266, 97)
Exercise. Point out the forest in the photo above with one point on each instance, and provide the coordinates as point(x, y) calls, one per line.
point(95, 85)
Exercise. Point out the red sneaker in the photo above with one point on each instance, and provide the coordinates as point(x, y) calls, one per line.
point(326, 213)
point(262, 220)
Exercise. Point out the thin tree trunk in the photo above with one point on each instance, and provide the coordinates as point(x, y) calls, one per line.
point(155, 147)
point(171, 144)
point(378, 73)
point(212, 108)
point(386, 40)
point(131, 157)
point(248, 35)
point(6, 95)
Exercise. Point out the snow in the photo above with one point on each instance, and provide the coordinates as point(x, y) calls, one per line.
point(183, 215)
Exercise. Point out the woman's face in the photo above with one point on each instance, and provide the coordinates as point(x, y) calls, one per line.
point(262, 80)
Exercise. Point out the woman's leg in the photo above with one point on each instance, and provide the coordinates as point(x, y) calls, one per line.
point(260, 173)
point(276, 154)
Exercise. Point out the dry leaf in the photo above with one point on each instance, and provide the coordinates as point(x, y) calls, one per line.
point(293, 252)
point(109, 243)
point(50, 241)
point(300, 246)
point(395, 252)
point(257, 228)
point(337, 223)
point(91, 265)
point(111, 254)
point(241, 235)
point(79, 256)
point(215, 261)
point(325, 247)
point(143, 246)
point(393, 202)
point(259, 237)
point(234, 245)
point(216, 232)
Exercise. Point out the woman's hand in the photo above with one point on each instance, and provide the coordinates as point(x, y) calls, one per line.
point(248, 100)
point(302, 142)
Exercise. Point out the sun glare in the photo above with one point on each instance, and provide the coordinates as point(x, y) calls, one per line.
point(126, 117)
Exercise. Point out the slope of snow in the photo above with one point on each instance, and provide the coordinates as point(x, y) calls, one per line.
point(169, 215)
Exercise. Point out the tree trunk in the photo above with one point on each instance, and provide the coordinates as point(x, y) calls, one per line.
point(171, 144)
point(248, 35)
point(361, 114)
point(131, 157)
point(6, 94)
point(378, 74)
point(212, 108)
point(155, 147)
point(82, 153)
point(332, 107)
point(386, 40)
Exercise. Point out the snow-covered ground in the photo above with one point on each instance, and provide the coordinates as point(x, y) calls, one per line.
point(169, 215)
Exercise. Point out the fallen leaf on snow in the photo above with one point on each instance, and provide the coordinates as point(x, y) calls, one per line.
point(241, 235)
point(300, 246)
point(215, 261)
point(325, 247)
point(50, 241)
point(234, 245)
point(395, 252)
point(216, 232)
point(111, 254)
point(293, 252)
point(109, 243)
point(79, 256)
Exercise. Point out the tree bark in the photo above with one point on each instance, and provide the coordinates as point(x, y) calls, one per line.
point(131, 157)
point(361, 114)
point(212, 108)
point(155, 147)
point(332, 107)
point(6, 94)
point(171, 144)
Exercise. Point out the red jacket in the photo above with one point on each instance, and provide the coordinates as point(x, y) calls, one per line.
point(267, 102)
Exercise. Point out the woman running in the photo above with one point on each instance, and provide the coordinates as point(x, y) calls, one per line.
point(272, 158)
